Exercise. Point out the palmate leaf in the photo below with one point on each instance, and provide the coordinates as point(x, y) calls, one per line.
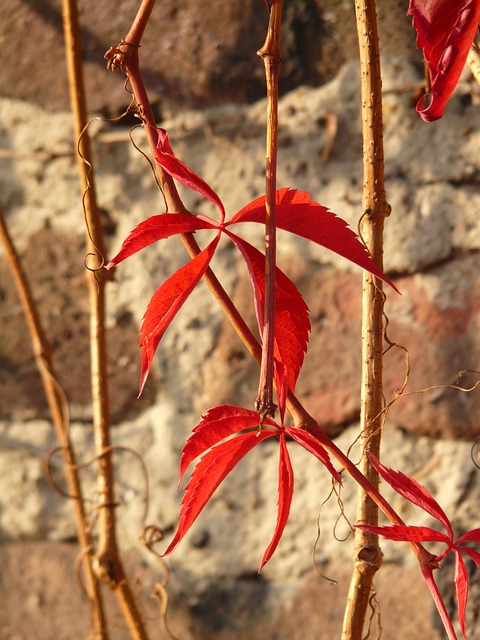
point(418, 495)
point(157, 228)
point(165, 303)
point(299, 214)
point(445, 31)
point(177, 169)
point(216, 425)
point(220, 444)
point(292, 324)
point(209, 472)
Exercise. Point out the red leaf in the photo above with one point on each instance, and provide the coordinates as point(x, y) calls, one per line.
point(285, 493)
point(413, 491)
point(216, 425)
point(157, 228)
point(437, 598)
point(292, 323)
point(461, 589)
point(165, 303)
point(212, 468)
point(297, 213)
point(177, 169)
point(310, 443)
point(445, 30)
point(406, 533)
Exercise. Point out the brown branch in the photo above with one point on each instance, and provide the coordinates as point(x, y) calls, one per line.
point(109, 564)
point(42, 351)
point(367, 554)
point(270, 52)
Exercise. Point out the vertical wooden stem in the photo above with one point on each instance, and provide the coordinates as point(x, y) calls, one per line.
point(109, 565)
point(367, 554)
point(270, 52)
point(42, 351)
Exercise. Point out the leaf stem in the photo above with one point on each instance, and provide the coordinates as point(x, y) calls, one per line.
point(270, 53)
point(109, 564)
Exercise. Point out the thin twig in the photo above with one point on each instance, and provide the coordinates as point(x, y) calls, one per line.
point(110, 567)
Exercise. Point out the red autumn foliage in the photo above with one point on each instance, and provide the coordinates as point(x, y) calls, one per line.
point(445, 30)
point(219, 452)
point(417, 494)
point(296, 213)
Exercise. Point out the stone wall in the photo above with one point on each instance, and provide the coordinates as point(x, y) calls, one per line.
point(432, 254)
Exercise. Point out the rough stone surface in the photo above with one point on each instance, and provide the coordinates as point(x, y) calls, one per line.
point(193, 54)
point(432, 238)
point(222, 611)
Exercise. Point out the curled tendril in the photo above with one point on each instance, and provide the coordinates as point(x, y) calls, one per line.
point(317, 539)
point(150, 535)
point(337, 490)
point(97, 503)
point(375, 614)
point(475, 453)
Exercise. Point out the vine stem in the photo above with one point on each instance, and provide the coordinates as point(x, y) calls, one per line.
point(367, 553)
point(109, 565)
point(43, 356)
point(270, 53)
point(125, 57)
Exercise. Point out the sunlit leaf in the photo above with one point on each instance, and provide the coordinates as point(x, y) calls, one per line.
point(406, 533)
point(177, 169)
point(470, 536)
point(165, 303)
point(156, 228)
point(216, 425)
point(285, 493)
point(292, 324)
point(413, 491)
point(474, 555)
point(445, 31)
point(209, 472)
point(461, 589)
point(299, 214)
point(311, 444)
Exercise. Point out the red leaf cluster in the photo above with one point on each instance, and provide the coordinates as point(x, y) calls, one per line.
point(226, 434)
point(417, 494)
point(211, 441)
point(296, 213)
